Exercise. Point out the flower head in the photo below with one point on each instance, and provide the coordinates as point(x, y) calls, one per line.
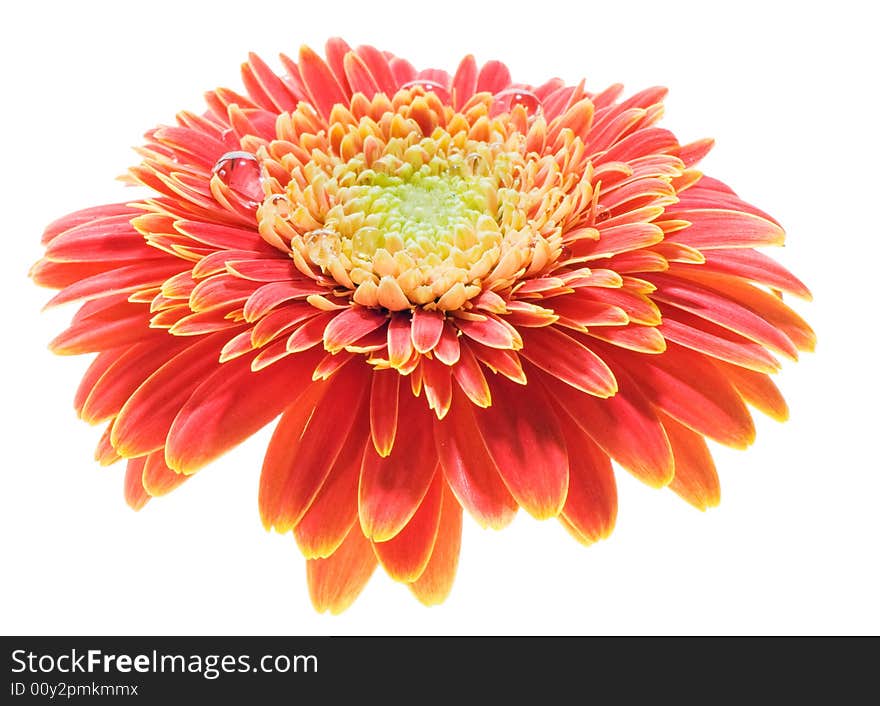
point(456, 291)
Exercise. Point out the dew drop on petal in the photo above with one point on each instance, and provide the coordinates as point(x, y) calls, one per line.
point(512, 97)
point(323, 246)
point(603, 213)
point(280, 206)
point(426, 85)
point(240, 171)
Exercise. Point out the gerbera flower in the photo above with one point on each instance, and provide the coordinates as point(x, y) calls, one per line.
point(457, 291)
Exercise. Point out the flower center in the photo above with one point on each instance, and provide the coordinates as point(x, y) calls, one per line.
point(402, 215)
point(433, 231)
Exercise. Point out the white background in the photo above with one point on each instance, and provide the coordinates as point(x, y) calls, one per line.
point(788, 90)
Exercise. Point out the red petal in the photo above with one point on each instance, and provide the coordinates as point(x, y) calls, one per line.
point(757, 267)
point(406, 555)
point(591, 504)
point(464, 83)
point(437, 383)
point(135, 495)
point(696, 480)
point(105, 240)
point(333, 512)
point(144, 420)
point(278, 479)
point(500, 361)
point(335, 50)
point(304, 449)
point(642, 339)
point(470, 378)
point(757, 389)
point(230, 405)
point(688, 387)
point(99, 366)
point(493, 77)
point(705, 337)
point(282, 98)
point(158, 479)
point(350, 325)
point(427, 327)
point(490, 332)
point(320, 82)
point(524, 438)
point(88, 215)
point(378, 66)
point(718, 307)
point(400, 346)
point(624, 426)
point(568, 360)
point(383, 410)
point(128, 371)
point(586, 312)
point(723, 228)
point(336, 581)
point(392, 487)
point(448, 349)
point(470, 470)
point(358, 76)
point(435, 583)
point(126, 279)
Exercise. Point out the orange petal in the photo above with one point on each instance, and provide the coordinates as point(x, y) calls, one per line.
point(335, 582)
point(435, 583)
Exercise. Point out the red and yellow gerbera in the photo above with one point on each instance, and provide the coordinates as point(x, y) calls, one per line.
point(455, 290)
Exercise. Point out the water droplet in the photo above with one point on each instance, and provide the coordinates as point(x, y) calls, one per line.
point(476, 165)
point(512, 97)
point(279, 206)
point(323, 246)
point(429, 86)
point(240, 171)
point(602, 213)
